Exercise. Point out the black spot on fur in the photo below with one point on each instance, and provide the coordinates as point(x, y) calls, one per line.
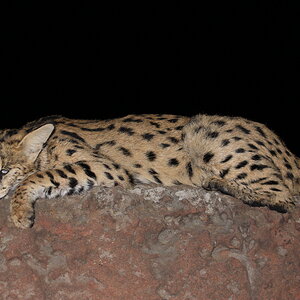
point(49, 191)
point(224, 172)
point(243, 129)
point(173, 140)
point(219, 123)
point(156, 178)
point(108, 175)
point(176, 182)
point(130, 177)
point(252, 146)
point(207, 157)
point(164, 145)
point(259, 143)
point(270, 182)
point(125, 151)
point(240, 150)
point(258, 180)
point(260, 131)
point(288, 166)
point(108, 143)
point(50, 175)
point(173, 120)
point(241, 164)
point(225, 142)
point(107, 166)
point(70, 152)
point(69, 169)
point(72, 182)
point(126, 130)
point(227, 158)
point(256, 157)
point(73, 135)
point(147, 136)
point(198, 129)
point(288, 153)
point(212, 135)
point(87, 170)
point(189, 169)
point(289, 175)
point(241, 176)
point(90, 184)
point(278, 176)
point(155, 124)
point(61, 173)
point(151, 156)
point(111, 127)
point(276, 142)
point(71, 192)
point(173, 162)
point(152, 171)
point(182, 137)
point(258, 167)
point(116, 166)
point(275, 189)
point(98, 129)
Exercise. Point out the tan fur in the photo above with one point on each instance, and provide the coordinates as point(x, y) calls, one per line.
point(57, 156)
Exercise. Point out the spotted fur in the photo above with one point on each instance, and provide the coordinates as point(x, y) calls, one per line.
point(55, 156)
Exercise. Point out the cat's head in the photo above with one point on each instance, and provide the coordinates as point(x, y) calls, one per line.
point(18, 152)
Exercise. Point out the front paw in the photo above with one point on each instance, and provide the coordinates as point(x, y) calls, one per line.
point(22, 215)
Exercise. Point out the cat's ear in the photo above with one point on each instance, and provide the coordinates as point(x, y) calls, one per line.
point(32, 144)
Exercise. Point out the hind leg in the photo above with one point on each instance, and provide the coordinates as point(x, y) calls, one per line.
point(280, 200)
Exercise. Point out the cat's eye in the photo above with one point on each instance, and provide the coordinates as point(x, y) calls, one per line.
point(4, 171)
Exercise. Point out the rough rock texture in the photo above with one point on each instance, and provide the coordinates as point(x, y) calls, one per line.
point(153, 243)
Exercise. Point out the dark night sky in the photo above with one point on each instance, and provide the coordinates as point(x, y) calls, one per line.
point(105, 61)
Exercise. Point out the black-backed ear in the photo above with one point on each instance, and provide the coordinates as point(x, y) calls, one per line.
point(32, 144)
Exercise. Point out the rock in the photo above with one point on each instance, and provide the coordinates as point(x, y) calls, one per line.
point(151, 243)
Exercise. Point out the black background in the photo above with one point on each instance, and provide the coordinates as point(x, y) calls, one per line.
point(103, 61)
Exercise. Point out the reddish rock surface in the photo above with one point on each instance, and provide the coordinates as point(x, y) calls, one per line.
point(150, 243)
